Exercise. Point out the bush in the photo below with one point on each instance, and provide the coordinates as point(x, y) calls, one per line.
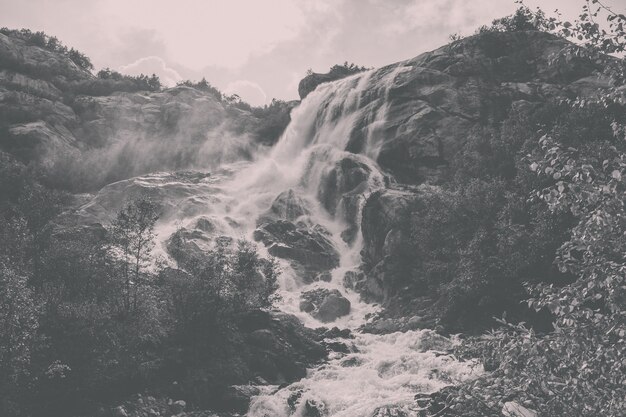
point(346, 69)
point(221, 284)
point(203, 85)
point(50, 43)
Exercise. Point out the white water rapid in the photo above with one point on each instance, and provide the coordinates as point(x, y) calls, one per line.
point(383, 370)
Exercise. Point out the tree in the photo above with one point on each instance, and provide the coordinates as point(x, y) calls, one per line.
point(80, 59)
point(132, 234)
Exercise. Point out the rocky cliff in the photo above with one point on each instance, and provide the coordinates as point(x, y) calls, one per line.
point(435, 103)
point(86, 131)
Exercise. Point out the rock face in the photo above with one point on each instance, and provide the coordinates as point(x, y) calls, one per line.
point(88, 132)
point(325, 305)
point(343, 191)
point(436, 97)
point(385, 224)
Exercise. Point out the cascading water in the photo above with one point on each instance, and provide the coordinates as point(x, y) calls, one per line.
point(382, 370)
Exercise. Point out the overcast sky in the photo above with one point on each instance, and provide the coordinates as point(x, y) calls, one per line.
point(257, 48)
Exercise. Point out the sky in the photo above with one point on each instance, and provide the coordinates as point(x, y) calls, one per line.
point(259, 49)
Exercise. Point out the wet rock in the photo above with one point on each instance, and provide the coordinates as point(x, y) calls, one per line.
point(339, 347)
point(349, 175)
point(430, 340)
point(294, 399)
point(287, 206)
point(313, 408)
point(343, 190)
point(237, 397)
point(390, 411)
point(513, 409)
point(178, 407)
point(351, 362)
point(336, 332)
point(325, 305)
point(308, 248)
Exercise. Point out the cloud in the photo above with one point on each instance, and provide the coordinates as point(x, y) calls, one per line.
point(153, 65)
point(249, 91)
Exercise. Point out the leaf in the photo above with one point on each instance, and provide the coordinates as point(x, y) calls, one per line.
point(617, 175)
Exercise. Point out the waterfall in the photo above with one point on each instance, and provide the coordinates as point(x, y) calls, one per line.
point(335, 119)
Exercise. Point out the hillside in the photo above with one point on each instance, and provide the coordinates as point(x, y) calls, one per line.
point(86, 132)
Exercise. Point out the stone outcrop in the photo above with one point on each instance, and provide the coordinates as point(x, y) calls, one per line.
point(312, 80)
point(308, 248)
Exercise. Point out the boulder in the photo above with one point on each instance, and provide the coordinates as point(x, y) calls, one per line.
point(310, 407)
point(392, 411)
point(386, 227)
point(308, 248)
point(324, 305)
point(287, 206)
point(237, 397)
point(120, 411)
point(178, 407)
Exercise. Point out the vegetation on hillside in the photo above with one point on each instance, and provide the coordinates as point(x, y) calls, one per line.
point(571, 166)
point(343, 70)
point(50, 43)
point(88, 316)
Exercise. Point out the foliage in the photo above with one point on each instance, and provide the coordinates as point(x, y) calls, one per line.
point(50, 43)
point(578, 367)
point(590, 321)
point(347, 68)
point(132, 234)
point(586, 29)
point(475, 241)
point(222, 283)
point(522, 19)
point(84, 320)
point(140, 82)
point(274, 119)
point(203, 85)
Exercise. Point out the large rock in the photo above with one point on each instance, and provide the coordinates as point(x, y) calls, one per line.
point(345, 187)
point(40, 142)
point(39, 62)
point(385, 226)
point(287, 206)
point(325, 305)
point(308, 248)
